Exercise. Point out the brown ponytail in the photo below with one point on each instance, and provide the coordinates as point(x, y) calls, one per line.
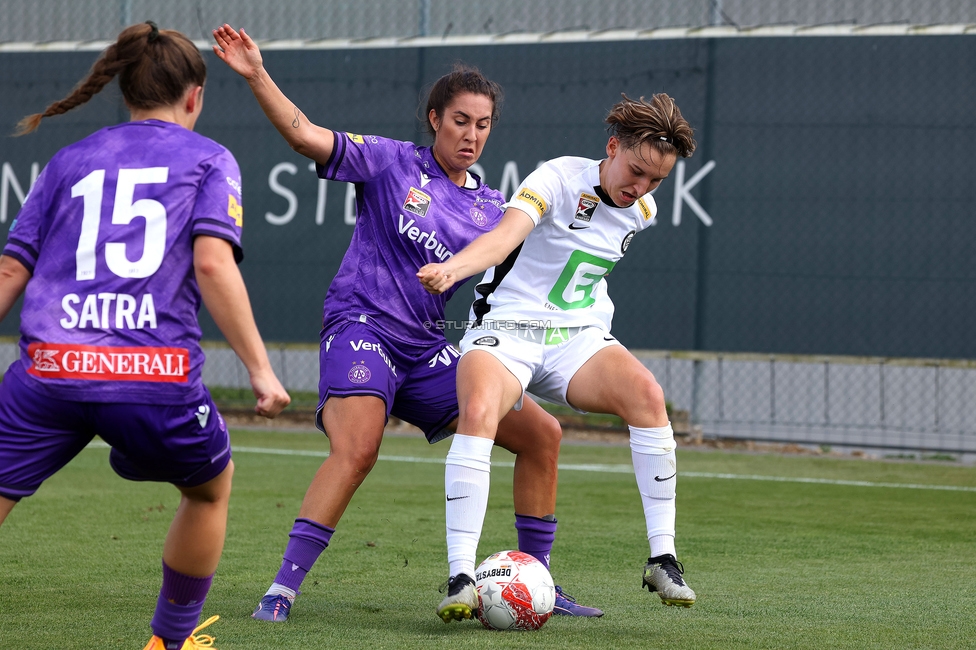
point(155, 67)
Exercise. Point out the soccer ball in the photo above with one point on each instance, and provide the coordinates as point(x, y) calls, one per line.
point(515, 592)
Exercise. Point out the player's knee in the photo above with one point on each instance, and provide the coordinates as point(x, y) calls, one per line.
point(646, 400)
point(479, 416)
point(361, 457)
point(550, 435)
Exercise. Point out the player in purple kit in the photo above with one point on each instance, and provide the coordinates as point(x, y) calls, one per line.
point(381, 351)
point(121, 236)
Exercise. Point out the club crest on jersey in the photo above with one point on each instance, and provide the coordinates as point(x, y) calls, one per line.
point(417, 202)
point(235, 210)
point(491, 341)
point(586, 207)
point(359, 374)
point(626, 243)
point(478, 216)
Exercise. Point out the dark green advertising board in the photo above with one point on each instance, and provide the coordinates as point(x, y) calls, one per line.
point(828, 209)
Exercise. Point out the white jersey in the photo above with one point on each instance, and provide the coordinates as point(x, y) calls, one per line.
point(557, 277)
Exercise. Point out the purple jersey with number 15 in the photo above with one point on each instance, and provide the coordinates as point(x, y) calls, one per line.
point(110, 313)
point(409, 213)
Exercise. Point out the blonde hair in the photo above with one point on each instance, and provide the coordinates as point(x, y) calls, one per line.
point(657, 122)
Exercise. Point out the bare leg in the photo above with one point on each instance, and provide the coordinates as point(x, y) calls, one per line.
point(196, 536)
point(614, 381)
point(487, 391)
point(355, 427)
point(6, 505)
point(533, 436)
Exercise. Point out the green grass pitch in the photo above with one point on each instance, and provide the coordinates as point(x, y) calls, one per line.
point(776, 564)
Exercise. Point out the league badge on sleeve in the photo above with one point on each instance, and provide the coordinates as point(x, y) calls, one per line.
point(235, 211)
point(417, 202)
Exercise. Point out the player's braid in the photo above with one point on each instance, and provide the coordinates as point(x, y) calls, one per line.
point(104, 70)
point(120, 59)
point(658, 122)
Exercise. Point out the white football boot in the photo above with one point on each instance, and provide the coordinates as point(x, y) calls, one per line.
point(663, 575)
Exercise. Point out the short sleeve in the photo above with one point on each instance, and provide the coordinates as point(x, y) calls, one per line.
point(219, 209)
point(648, 211)
point(537, 193)
point(360, 158)
point(26, 231)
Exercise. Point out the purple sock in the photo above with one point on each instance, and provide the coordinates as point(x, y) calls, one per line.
point(535, 536)
point(178, 606)
point(306, 541)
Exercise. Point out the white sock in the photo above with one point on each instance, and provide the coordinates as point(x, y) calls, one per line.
point(663, 545)
point(281, 590)
point(652, 452)
point(466, 480)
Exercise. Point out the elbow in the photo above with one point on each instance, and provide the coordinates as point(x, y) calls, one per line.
point(299, 145)
point(206, 268)
point(209, 267)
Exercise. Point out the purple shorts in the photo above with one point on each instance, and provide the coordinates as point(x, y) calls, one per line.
point(417, 383)
point(184, 445)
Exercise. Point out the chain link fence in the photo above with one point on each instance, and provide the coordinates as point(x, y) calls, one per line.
point(831, 228)
point(888, 403)
point(884, 403)
point(87, 20)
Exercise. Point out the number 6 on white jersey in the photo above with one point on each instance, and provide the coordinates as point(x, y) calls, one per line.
point(123, 212)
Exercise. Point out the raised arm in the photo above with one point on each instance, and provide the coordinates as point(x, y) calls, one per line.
point(490, 249)
point(225, 296)
point(13, 280)
point(238, 51)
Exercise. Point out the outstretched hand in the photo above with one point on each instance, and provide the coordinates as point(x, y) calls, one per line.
point(238, 51)
point(436, 278)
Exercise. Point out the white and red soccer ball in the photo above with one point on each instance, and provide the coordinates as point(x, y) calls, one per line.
point(515, 592)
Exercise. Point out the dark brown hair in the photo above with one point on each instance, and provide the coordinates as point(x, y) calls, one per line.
point(658, 123)
point(155, 67)
point(462, 79)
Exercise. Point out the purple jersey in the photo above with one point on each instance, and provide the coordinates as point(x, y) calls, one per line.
point(110, 314)
point(409, 213)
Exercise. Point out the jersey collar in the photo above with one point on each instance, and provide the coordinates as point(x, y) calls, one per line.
point(433, 169)
point(597, 188)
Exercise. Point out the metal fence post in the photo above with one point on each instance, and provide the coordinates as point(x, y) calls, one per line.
point(826, 392)
point(697, 371)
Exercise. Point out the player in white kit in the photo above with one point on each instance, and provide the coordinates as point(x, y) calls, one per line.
point(543, 326)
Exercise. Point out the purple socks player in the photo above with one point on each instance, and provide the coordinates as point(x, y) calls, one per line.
point(306, 541)
point(380, 354)
point(179, 606)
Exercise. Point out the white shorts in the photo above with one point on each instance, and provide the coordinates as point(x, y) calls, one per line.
point(543, 360)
